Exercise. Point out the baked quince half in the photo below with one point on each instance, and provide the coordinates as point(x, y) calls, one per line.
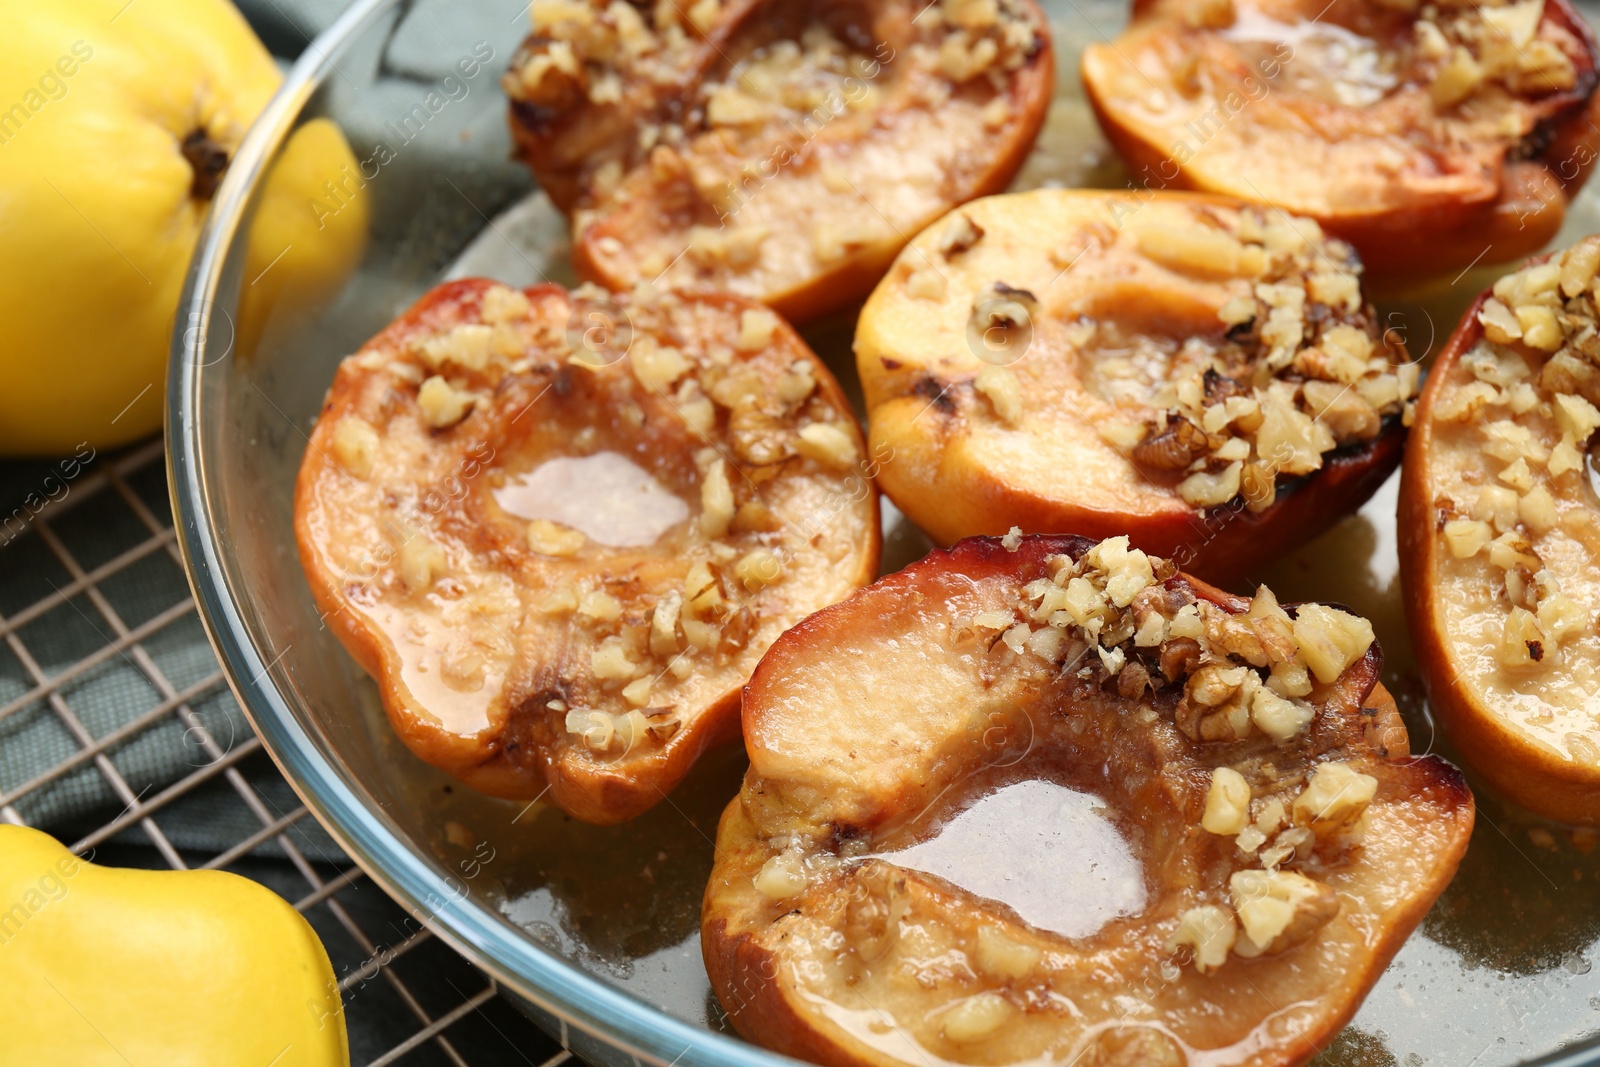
point(1199, 374)
point(1432, 136)
point(1500, 529)
point(1042, 800)
point(780, 150)
point(560, 528)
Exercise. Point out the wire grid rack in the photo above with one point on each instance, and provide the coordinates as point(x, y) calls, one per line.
point(408, 997)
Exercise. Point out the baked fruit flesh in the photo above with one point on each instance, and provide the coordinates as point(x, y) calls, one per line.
point(1201, 375)
point(1499, 531)
point(780, 150)
point(559, 529)
point(1046, 800)
point(1431, 136)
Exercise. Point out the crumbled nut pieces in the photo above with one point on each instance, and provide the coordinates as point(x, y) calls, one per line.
point(1001, 387)
point(783, 876)
point(1464, 48)
point(1116, 603)
point(1539, 360)
point(356, 445)
point(999, 954)
point(1278, 910)
point(1335, 799)
point(552, 539)
point(1227, 803)
point(828, 444)
point(1303, 368)
point(958, 235)
point(976, 1017)
point(441, 404)
point(1209, 932)
point(1242, 675)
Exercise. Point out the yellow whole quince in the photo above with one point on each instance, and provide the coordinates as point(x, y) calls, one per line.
point(102, 967)
point(117, 121)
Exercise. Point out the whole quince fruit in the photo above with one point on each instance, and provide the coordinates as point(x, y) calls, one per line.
point(103, 967)
point(117, 122)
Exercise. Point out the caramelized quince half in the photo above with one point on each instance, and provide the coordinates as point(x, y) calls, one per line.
point(783, 151)
point(1042, 800)
point(1202, 375)
point(1500, 529)
point(560, 528)
point(1432, 136)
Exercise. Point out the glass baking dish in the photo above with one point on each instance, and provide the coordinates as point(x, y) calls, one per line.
point(595, 931)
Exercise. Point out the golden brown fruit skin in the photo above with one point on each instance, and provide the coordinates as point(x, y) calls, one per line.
point(468, 664)
point(957, 471)
point(829, 191)
point(918, 724)
point(1420, 191)
point(1522, 766)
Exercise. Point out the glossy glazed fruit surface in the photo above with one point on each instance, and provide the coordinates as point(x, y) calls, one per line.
point(1204, 376)
point(1042, 800)
point(784, 151)
point(561, 528)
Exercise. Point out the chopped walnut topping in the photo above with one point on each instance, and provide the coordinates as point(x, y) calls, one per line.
point(441, 404)
point(716, 500)
point(468, 346)
point(1113, 601)
point(421, 561)
point(1330, 639)
point(1301, 370)
point(657, 367)
point(1334, 800)
point(355, 445)
point(828, 444)
point(782, 877)
point(1210, 932)
point(502, 304)
point(551, 539)
point(756, 328)
point(1278, 910)
point(1542, 317)
point(960, 234)
point(1466, 47)
point(1228, 803)
point(976, 1017)
point(1003, 391)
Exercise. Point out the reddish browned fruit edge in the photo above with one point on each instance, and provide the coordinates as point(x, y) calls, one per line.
point(742, 969)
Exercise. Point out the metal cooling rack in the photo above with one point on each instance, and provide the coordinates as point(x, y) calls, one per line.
point(408, 998)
